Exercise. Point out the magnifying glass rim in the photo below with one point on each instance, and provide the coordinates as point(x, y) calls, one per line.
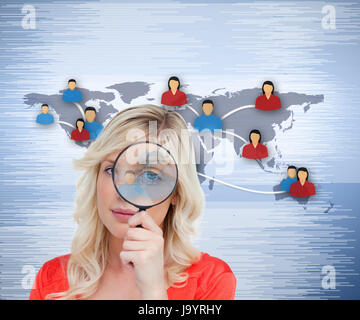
point(113, 174)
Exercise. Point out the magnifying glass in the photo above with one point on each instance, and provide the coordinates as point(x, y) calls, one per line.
point(145, 174)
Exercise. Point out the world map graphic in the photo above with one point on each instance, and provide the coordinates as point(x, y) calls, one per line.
point(236, 109)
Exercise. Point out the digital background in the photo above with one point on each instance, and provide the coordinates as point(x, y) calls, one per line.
point(124, 53)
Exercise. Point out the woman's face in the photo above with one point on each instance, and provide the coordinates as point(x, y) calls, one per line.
point(80, 124)
point(302, 175)
point(254, 137)
point(268, 88)
point(109, 200)
point(173, 84)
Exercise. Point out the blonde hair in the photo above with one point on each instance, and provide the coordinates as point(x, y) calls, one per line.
point(89, 247)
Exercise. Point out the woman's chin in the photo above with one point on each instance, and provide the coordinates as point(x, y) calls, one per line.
point(119, 231)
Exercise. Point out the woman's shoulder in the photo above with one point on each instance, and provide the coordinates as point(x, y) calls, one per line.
point(295, 184)
point(207, 266)
point(275, 97)
point(50, 278)
point(55, 268)
point(165, 93)
point(209, 278)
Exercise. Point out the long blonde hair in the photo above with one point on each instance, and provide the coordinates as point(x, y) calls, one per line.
point(89, 247)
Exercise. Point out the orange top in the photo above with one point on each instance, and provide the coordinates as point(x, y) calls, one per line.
point(209, 279)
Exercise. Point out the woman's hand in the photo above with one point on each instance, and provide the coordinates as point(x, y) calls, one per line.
point(143, 251)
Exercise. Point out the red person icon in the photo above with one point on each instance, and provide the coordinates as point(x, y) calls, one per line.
point(80, 134)
point(173, 97)
point(302, 188)
point(268, 101)
point(255, 150)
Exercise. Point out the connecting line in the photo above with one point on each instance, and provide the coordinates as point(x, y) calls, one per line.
point(226, 115)
point(242, 139)
point(66, 123)
point(240, 188)
point(236, 110)
point(224, 131)
point(81, 109)
point(193, 110)
point(235, 135)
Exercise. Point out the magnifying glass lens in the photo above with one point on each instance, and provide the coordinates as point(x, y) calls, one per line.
point(145, 174)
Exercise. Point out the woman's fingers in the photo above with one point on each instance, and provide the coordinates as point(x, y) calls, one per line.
point(142, 252)
point(135, 245)
point(143, 247)
point(136, 258)
point(145, 220)
point(141, 234)
point(128, 258)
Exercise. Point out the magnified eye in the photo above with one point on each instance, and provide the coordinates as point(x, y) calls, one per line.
point(150, 176)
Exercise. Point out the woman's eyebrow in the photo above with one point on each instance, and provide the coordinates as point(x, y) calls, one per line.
point(109, 160)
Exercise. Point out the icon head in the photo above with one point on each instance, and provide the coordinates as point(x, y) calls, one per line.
point(208, 107)
point(302, 174)
point(255, 136)
point(44, 108)
point(90, 114)
point(291, 171)
point(130, 176)
point(268, 87)
point(71, 84)
point(80, 123)
point(174, 83)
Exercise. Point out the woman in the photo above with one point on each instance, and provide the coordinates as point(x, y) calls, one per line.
point(255, 150)
point(268, 101)
point(174, 99)
point(80, 134)
point(112, 259)
point(302, 188)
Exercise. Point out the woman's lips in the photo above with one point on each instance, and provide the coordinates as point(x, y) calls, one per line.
point(123, 214)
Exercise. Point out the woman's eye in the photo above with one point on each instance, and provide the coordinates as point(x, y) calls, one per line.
point(109, 171)
point(151, 176)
